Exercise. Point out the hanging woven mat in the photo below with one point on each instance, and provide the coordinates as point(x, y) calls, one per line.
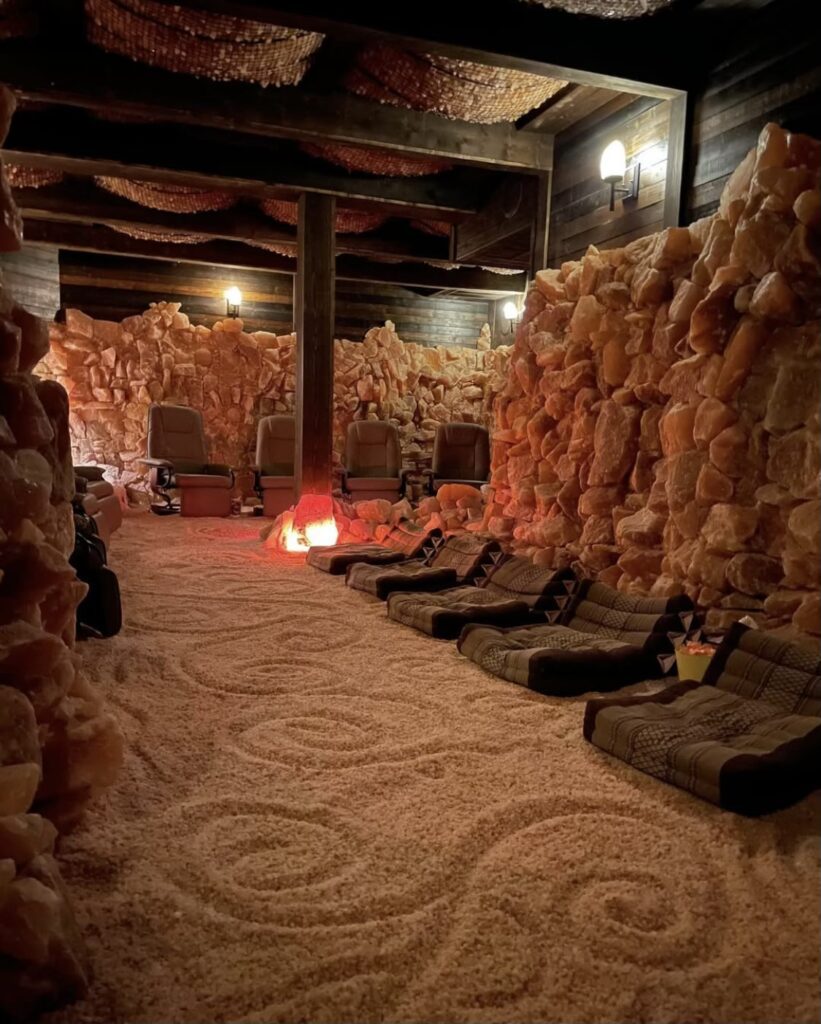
point(31, 177)
point(348, 222)
point(377, 161)
point(624, 9)
point(432, 227)
point(171, 198)
point(198, 43)
point(280, 248)
point(444, 85)
point(146, 235)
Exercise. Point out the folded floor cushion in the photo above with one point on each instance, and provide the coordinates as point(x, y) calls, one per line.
point(405, 541)
point(512, 593)
point(458, 559)
point(609, 640)
point(747, 738)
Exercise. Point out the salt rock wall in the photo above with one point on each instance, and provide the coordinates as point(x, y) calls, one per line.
point(58, 746)
point(660, 425)
point(113, 371)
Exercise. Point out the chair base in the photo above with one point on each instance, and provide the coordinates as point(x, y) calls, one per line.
point(164, 509)
point(205, 501)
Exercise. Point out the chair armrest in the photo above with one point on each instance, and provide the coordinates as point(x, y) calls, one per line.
point(156, 463)
point(89, 472)
point(427, 476)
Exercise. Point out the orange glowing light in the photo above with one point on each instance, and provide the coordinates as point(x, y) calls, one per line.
point(310, 523)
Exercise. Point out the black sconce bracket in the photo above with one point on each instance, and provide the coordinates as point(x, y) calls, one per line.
point(629, 193)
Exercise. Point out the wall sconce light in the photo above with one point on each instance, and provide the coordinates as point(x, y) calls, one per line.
point(233, 300)
point(510, 311)
point(613, 168)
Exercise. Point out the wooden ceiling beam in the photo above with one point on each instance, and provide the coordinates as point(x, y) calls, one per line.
point(84, 238)
point(81, 202)
point(79, 75)
point(73, 142)
point(645, 56)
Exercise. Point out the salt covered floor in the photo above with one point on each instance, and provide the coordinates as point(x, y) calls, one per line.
point(324, 816)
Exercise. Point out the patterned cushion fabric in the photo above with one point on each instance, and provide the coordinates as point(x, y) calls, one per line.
point(559, 660)
point(610, 640)
point(734, 748)
point(757, 665)
point(605, 611)
point(457, 560)
point(744, 755)
point(404, 541)
point(409, 538)
point(513, 592)
point(405, 576)
point(336, 559)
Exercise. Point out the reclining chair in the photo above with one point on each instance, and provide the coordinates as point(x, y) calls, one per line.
point(98, 500)
point(274, 470)
point(461, 455)
point(373, 461)
point(178, 459)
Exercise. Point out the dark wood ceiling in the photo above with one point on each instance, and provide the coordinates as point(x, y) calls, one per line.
point(84, 112)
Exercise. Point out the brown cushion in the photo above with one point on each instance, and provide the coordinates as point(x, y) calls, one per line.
point(514, 591)
point(336, 558)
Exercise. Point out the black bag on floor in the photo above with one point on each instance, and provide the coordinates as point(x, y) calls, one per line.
point(100, 612)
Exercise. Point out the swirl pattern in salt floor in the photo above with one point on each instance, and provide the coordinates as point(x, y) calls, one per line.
point(325, 816)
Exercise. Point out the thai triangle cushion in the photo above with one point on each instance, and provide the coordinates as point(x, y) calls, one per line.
point(721, 739)
point(610, 640)
point(405, 540)
point(457, 559)
point(514, 590)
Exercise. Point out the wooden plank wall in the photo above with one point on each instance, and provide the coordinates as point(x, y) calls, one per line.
point(32, 277)
point(772, 75)
point(110, 288)
point(579, 214)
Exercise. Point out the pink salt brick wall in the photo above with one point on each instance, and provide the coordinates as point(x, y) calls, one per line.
point(113, 371)
point(660, 424)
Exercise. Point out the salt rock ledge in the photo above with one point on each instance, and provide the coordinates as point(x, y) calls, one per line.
point(58, 746)
point(660, 426)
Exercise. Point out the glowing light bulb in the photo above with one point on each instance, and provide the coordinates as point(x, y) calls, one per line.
point(233, 296)
point(509, 311)
point(613, 162)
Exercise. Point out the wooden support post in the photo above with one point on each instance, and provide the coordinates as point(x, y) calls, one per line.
point(314, 322)
point(540, 230)
point(678, 133)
